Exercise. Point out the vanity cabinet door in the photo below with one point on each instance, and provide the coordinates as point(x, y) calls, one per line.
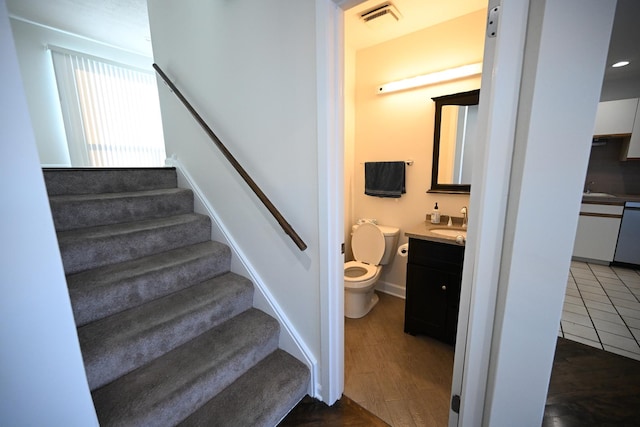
point(453, 306)
point(426, 304)
point(434, 275)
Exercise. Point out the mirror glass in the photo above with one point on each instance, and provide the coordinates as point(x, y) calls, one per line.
point(454, 134)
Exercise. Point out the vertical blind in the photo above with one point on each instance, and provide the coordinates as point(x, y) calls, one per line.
point(111, 112)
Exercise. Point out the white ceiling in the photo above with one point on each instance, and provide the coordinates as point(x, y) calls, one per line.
point(121, 23)
point(124, 23)
point(415, 15)
point(625, 41)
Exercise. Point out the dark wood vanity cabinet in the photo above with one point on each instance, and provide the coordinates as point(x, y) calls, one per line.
point(434, 275)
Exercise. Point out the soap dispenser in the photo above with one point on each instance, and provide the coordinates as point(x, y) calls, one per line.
point(435, 215)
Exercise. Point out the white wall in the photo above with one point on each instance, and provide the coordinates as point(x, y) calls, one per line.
point(249, 68)
point(349, 142)
point(42, 375)
point(40, 86)
point(399, 126)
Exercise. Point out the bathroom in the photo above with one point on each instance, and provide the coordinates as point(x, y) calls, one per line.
point(399, 126)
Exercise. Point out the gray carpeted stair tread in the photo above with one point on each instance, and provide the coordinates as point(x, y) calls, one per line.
point(165, 328)
point(118, 344)
point(90, 210)
point(103, 291)
point(260, 398)
point(168, 389)
point(107, 180)
point(93, 247)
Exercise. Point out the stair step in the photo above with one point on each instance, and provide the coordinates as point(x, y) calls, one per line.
point(107, 180)
point(103, 291)
point(91, 210)
point(118, 344)
point(93, 247)
point(168, 334)
point(165, 391)
point(262, 397)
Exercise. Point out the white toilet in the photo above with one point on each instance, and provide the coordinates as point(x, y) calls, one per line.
point(373, 246)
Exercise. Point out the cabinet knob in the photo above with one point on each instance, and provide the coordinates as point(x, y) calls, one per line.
point(444, 287)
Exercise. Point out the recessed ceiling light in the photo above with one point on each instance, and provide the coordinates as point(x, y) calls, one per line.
point(620, 64)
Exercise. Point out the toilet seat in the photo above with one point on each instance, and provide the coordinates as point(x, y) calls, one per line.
point(368, 243)
point(368, 247)
point(356, 271)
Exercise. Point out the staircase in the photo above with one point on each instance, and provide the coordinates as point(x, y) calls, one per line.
point(168, 334)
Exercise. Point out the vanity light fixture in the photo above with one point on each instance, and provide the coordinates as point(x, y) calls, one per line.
point(620, 64)
point(432, 78)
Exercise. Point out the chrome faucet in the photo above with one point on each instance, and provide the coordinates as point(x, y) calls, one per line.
point(463, 211)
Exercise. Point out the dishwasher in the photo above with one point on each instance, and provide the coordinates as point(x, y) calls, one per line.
point(628, 247)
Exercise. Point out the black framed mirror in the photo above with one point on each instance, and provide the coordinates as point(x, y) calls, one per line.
point(453, 142)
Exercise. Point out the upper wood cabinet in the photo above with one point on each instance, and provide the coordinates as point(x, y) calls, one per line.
point(617, 117)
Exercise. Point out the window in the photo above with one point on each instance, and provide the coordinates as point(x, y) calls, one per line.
point(111, 112)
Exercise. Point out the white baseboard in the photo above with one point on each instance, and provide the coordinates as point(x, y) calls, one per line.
point(290, 340)
point(392, 289)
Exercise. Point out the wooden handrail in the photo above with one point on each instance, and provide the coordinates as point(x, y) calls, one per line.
point(250, 182)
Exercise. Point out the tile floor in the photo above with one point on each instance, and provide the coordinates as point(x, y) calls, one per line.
point(602, 308)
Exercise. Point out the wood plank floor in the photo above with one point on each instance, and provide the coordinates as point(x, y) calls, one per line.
point(392, 378)
point(399, 379)
point(592, 387)
point(403, 379)
point(345, 412)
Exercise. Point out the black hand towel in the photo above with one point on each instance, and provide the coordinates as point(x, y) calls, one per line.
point(384, 179)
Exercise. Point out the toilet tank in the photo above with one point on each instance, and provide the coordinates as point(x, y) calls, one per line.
point(390, 242)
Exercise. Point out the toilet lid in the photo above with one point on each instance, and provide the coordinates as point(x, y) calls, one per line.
point(368, 244)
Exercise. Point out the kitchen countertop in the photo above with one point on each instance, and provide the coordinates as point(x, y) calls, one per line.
point(610, 198)
point(422, 230)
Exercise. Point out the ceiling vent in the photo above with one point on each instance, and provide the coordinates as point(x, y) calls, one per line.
point(385, 12)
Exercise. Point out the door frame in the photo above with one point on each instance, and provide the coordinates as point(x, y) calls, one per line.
point(501, 80)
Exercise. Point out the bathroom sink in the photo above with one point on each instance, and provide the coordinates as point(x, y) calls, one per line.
point(448, 232)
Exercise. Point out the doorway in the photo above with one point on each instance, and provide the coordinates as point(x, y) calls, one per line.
point(498, 322)
point(400, 127)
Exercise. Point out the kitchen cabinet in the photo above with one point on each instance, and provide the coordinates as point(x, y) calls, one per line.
point(434, 276)
point(616, 117)
point(620, 117)
point(597, 233)
point(633, 151)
